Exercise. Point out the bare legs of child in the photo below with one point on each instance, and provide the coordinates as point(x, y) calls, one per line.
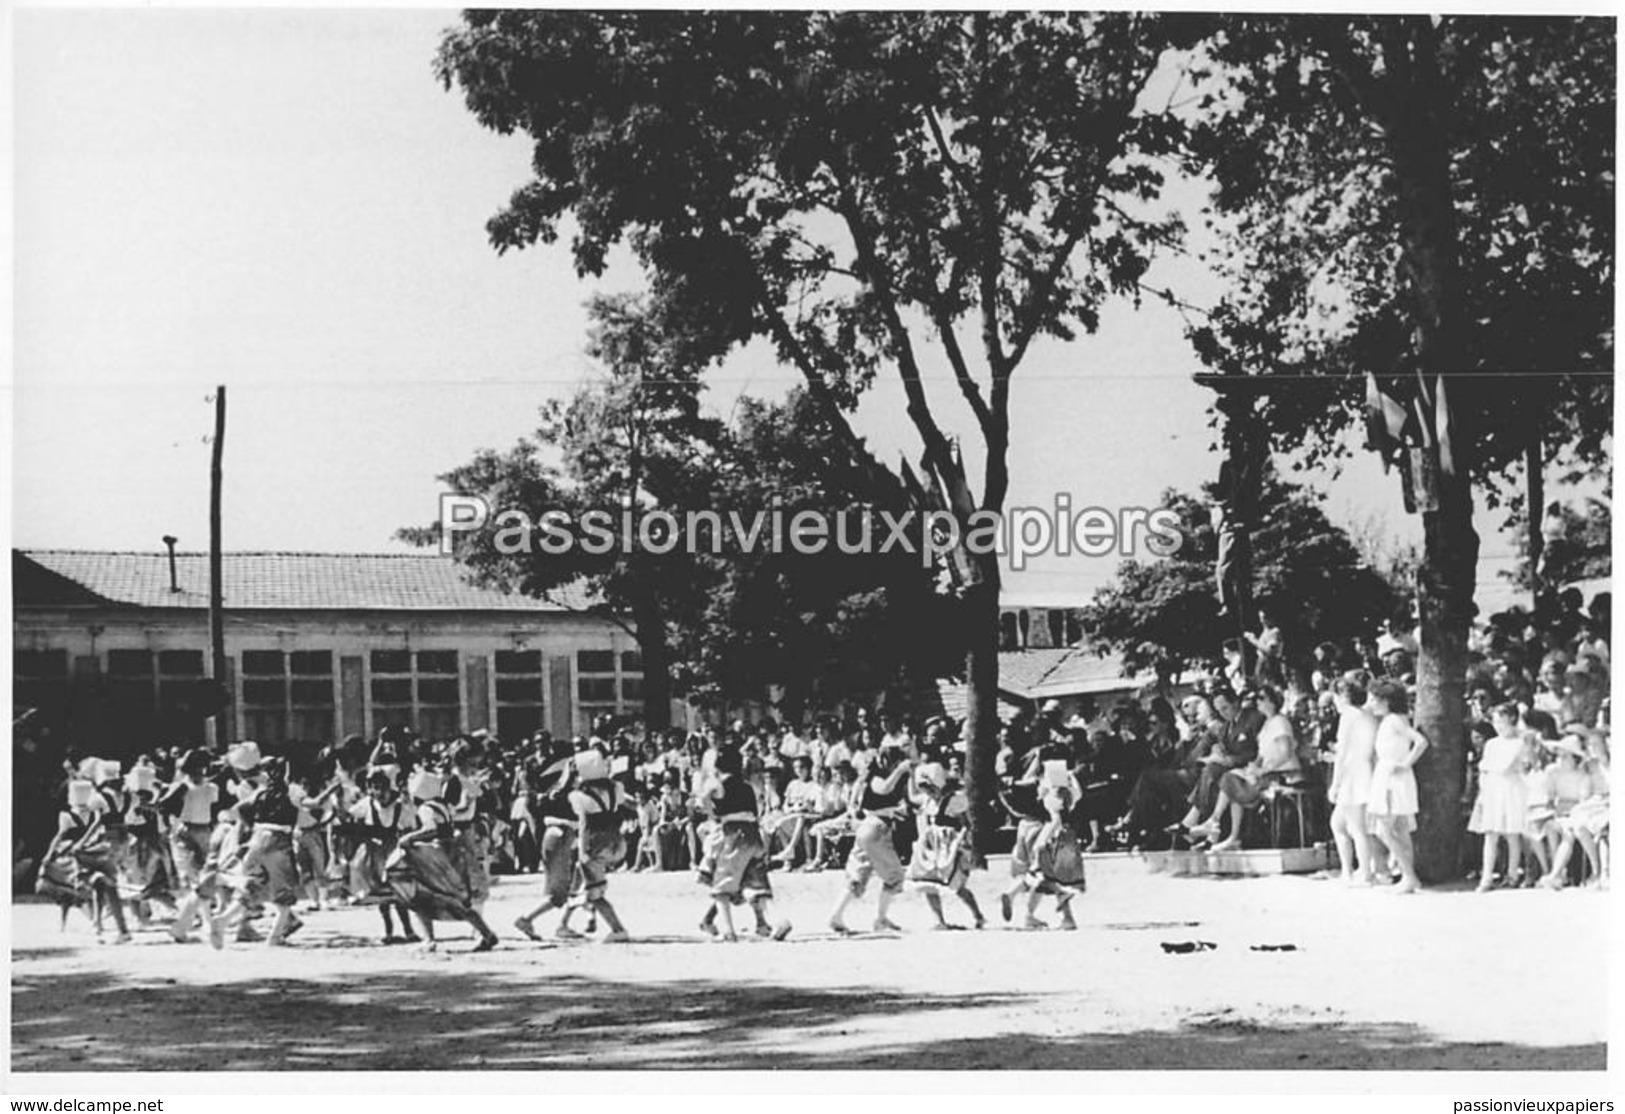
point(1353, 841)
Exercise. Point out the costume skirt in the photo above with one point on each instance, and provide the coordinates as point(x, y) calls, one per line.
point(1057, 858)
point(941, 858)
point(426, 880)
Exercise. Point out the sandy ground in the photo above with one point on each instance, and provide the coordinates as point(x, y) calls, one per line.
point(1439, 980)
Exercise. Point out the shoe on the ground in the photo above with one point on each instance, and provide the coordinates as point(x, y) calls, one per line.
point(526, 928)
point(781, 930)
point(883, 924)
point(565, 932)
point(839, 928)
point(619, 936)
point(1033, 924)
point(486, 944)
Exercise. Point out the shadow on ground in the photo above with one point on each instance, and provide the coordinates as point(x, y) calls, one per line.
point(469, 1020)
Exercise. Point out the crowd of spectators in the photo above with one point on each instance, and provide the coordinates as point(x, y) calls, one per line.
point(1175, 765)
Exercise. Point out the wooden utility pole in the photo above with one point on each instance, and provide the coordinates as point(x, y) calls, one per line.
point(224, 717)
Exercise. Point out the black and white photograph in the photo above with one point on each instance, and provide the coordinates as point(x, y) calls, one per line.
point(919, 548)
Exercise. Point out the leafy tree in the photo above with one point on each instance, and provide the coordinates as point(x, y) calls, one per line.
point(1421, 207)
point(850, 186)
point(825, 626)
point(723, 621)
point(633, 440)
point(1579, 548)
point(1307, 573)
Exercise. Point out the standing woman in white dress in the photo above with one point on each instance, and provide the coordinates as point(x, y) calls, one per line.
point(1501, 809)
point(1350, 789)
point(1392, 803)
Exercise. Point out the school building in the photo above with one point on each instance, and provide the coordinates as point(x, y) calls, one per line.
point(111, 650)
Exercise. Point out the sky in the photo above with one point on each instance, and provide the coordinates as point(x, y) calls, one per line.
point(287, 202)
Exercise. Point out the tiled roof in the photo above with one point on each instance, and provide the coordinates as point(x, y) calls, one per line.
point(286, 581)
point(1043, 674)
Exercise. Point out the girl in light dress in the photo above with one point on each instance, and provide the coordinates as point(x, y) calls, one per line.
point(1392, 802)
point(1350, 787)
point(1501, 809)
point(1586, 823)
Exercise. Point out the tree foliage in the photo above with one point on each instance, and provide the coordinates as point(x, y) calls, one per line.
point(1307, 573)
point(721, 622)
point(1298, 130)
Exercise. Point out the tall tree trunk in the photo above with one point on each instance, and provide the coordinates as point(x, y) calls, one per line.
point(982, 701)
point(651, 624)
point(1420, 138)
point(1445, 597)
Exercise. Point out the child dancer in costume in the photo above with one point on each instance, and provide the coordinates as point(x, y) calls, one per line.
point(942, 857)
point(1022, 801)
point(79, 862)
point(874, 852)
point(310, 839)
point(374, 826)
point(557, 817)
point(464, 787)
point(1057, 856)
point(598, 802)
point(1393, 804)
point(421, 870)
point(735, 862)
point(191, 802)
point(146, 868)
point(269, 873)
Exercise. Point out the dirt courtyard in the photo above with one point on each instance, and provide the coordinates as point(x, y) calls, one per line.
point(1440, 980)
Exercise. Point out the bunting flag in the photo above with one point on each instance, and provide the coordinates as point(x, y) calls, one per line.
point(1384, 422)
point(1443, 431)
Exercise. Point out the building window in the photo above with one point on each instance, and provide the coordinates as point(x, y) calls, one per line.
point(158, 695)
point(420, 690)
point(608, 683)
point(288, 697)
point(521, 707)
point(40, 681)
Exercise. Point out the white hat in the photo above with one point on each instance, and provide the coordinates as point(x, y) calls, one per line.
point(80, 793)
point(141, 779)
point(591, 765)
point(1568, 744)
point(426, 785)
point(108, 770)
point(1050, 707)
point(89, 768)
point(244, 757)
point(932, 773)
point(1076, 723)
